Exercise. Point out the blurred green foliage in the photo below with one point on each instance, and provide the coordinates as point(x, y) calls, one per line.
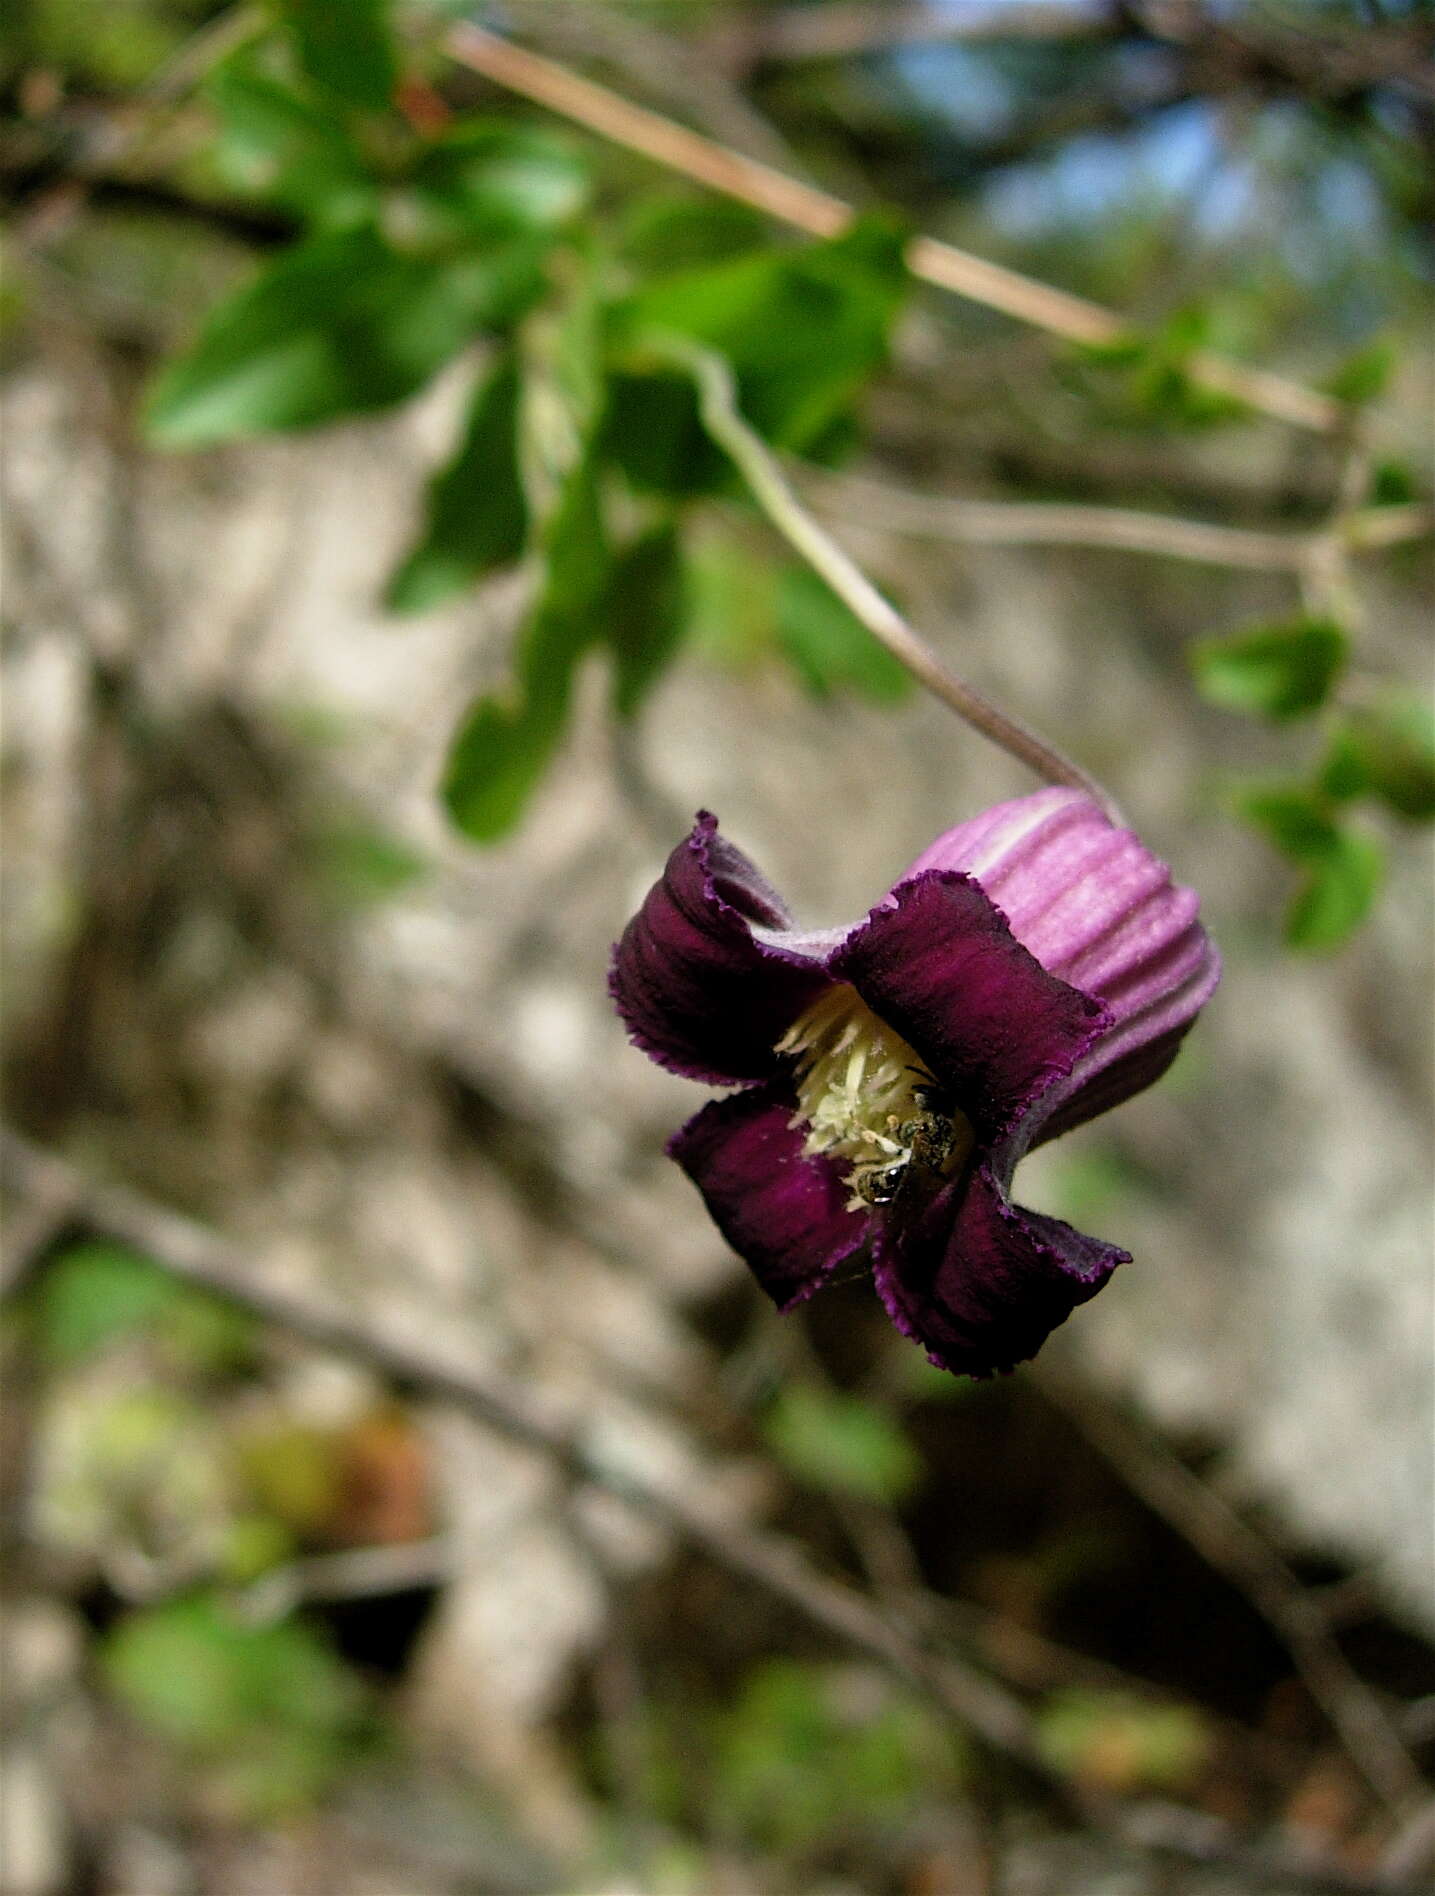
point(475, 511)
point(97, 1294)
point(806, 1761)
point(357, 865)
point(1143, 382)
point(421, 244)
point(346, 50)
point(842, 1444)
point(1286, 670)
point(1341, 866)
point(341, 325)
point(829, 647)
point(268, 1713)
point(761, 311)
point(810, 1754)
point(1387, 751)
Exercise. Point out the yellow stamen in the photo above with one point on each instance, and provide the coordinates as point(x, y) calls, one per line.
point(858, 1087)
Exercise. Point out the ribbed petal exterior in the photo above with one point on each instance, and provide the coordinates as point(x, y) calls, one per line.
point(1099, 911)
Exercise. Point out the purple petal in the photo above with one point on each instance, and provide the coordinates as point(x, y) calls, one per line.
point(697, 992)
point(783, 1212)
point(1098, 910)
point(938, 963)
point(981, 1283)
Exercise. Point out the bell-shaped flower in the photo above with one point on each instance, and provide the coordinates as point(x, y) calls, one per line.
point(1034, 967)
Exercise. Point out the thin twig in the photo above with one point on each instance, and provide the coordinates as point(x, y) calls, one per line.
point(1121, 529)
point(355, 1573)
point(771, 490)
point(1221, 1537)
point(1375, 528)
point(820, 214)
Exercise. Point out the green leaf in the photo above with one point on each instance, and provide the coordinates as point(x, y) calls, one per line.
point(1298, 821)
point(644, 614)
point(205, 1336)
point(476, 515)
point(277, 145)
point(841, 1444)
point(812, 1753)
point(498, 760)
point(494, 179)
point(732, 595)
point(1342, 775)
point(1142, 379)
point(1393, 484)
point(1282, 670)
point(269, 1710)
point(829, 647)
point(1337, 894)
point(1343, 867)
point(1364, 375)
point(678, 231)
point(97, 1294)
point(762, 312)
point(507, 742)
point(341, 324)
point(1393, 747)
point(345, 47)
point(94, 1294)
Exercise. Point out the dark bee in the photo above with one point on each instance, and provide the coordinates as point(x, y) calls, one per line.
point(932, 1136)
point(879, 1184)
point(929, 1143)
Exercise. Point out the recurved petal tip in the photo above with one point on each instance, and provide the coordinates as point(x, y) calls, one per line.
point(695, 989)
point(981, 1283)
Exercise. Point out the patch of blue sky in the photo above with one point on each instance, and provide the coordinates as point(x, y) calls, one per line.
point(1278, 182)
point(959, 85)
point(1184, 154)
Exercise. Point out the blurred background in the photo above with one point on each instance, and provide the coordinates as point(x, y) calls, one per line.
point(405, 1489)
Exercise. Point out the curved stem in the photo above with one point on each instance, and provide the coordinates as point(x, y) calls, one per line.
point(769, 487)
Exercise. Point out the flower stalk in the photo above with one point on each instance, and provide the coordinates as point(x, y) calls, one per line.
point(773, 493)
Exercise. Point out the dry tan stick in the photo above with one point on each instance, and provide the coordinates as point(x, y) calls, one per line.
point(1221, 1537)
point(1372, 529)
point(822, 215)
point(1057, 523)
point(354, 1573)
point(769, 487)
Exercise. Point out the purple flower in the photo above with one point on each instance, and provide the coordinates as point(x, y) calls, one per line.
point(1034, 967)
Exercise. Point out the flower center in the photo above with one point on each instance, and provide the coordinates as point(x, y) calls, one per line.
point(869, 1103)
